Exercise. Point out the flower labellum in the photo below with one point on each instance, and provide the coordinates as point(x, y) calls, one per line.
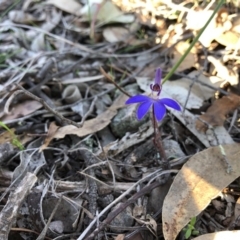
point(158, 105)
point(157, 87)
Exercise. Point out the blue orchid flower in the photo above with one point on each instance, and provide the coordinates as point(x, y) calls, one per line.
point(158, 104)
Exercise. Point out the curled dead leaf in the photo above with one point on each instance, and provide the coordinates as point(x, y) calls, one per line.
point(51, 131)
point(216, 114)
point(23, 109)
point(93, 125)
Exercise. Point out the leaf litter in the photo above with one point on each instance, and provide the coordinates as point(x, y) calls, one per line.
point(84, 151)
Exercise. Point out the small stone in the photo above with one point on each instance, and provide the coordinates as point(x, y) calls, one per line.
point(56, 226)
point(126, 119)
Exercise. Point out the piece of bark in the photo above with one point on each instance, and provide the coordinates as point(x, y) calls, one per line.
point(103, 189)
point(9, 213)
point(6, 150)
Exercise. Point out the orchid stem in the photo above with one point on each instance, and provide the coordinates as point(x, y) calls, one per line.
point(158, 142)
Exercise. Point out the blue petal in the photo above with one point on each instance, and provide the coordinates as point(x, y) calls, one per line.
point(170, 103)
point(158, 76)
point(137, 99)
point(159, 110)
point(143, 108)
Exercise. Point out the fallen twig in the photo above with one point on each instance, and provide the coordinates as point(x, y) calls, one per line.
point(54, 112)
point(9, 213)
point(113, 82)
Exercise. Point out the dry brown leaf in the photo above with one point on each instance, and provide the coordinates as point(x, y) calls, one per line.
point(152, 224)
point(22, 17)
point(23, 109)
point(93, 125)
point(6, 136)
point(53, 19)
point(179, 50)
point(51, 131)
point(220, 24)
point(120, 237)
point(224, 235)
point(69, 6)
point(138, 210)
point(216, 114)
point(149, 222)
point(196, 185)
point(116, 34)
point(228, 75)
point(230, 39)
point(107, 13)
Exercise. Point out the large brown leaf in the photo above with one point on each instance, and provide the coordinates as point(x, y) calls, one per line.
point(200, 180)
point(224, 235)
point(216, 114)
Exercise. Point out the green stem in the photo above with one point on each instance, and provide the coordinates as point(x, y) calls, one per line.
point(193, 43)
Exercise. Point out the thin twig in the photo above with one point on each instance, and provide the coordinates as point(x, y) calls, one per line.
point(203, 83)
point(22, 230)
point(73, 104)
point(44, 231)
point(9, 101)
point(74, 44)
point(113, 82)
point(133, 199)
point(54, 112)
point(109, 164)
point(65, 71)
point(85, 232)
point(189, 91)
point(10, 211)
point(119, 69)
point(89, 111)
